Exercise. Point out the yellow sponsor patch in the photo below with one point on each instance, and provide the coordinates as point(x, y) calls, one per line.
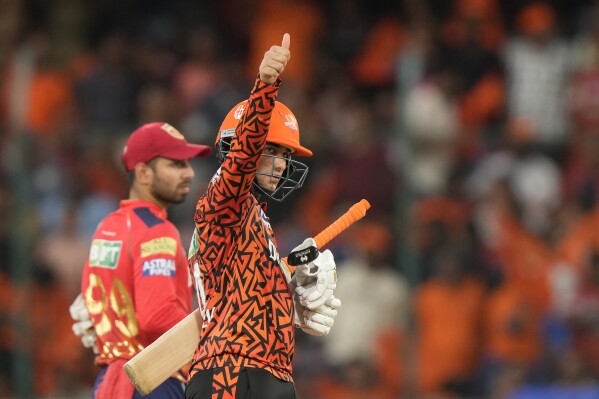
point(160, 245)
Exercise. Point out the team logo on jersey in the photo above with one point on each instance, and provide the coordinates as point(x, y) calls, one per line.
point(104, 253)
point(160, 245)
point(159, 267)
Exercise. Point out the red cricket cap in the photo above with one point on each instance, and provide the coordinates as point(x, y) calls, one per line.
point(159, 139)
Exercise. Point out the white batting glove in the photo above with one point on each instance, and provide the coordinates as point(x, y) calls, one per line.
point(83, 326)
point(318, 322)
point(316, 281)
point(303, 276)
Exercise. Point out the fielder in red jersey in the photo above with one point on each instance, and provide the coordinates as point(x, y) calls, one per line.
point(136, 283)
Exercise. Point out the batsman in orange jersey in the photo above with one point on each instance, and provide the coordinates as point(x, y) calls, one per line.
point(250, 309)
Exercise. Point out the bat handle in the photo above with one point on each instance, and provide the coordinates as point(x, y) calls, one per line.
point(353, 214)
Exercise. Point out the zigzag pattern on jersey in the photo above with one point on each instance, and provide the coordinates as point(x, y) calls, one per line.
point(224, 383)
point(252, 319)
point(226, 199)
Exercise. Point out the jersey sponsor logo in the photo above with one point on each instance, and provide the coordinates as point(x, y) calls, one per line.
point(159, 267)
point(193, 245)
point(273, 253)
point(104, 253)
point(160, 245)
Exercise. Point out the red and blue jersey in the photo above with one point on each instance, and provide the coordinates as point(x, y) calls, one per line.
point(135, 282)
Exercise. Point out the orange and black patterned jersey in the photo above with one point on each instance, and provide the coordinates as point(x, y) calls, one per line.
point(248, 315)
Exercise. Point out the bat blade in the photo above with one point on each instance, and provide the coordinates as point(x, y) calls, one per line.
point(163, 357)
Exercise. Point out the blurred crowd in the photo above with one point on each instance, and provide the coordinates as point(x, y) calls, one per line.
point(471, 126)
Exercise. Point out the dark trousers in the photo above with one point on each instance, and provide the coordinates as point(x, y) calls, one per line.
point(248, 383)
point(169, 389)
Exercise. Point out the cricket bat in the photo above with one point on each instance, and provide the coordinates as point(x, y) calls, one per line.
point(175, 348)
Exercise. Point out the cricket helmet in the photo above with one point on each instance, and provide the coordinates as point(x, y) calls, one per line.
point(283, 130)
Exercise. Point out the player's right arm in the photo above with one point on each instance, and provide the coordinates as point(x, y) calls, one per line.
point(231, 186)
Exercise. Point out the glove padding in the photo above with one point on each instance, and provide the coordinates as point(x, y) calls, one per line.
point(83, 326)
point(316, 281)
point(317, 322)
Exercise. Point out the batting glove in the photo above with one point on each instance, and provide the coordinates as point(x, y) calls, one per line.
point(318, 322)
point(83, 326)
point(316, 281)
point(302, 257)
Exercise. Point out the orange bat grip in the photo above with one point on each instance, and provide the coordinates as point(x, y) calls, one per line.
point(353, 214)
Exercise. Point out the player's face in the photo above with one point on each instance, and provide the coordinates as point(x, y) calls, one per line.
point(171, 180)
point(272, 165)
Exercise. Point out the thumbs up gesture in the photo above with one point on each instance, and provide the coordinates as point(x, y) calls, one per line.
point(275, 60)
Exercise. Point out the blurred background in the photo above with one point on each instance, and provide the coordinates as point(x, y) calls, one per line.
point(471, 126)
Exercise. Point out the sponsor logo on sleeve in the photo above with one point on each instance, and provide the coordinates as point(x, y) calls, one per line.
point(159, 267)
point(160, 245)
point(193, 245)
point(104, 253)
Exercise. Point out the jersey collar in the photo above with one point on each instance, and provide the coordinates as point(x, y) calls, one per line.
point(135, 203)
